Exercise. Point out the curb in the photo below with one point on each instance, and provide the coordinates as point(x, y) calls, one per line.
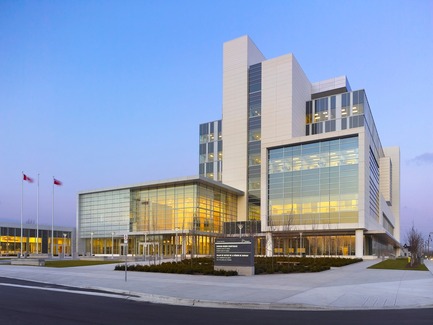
point(160, 299)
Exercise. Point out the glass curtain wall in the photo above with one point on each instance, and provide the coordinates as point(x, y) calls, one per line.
point(314, 183)
point(196, 213)
point(311, 245)
point(254, 139)
point(210, 150)
point(190, 207)
point(159, 219)
point(10, 241)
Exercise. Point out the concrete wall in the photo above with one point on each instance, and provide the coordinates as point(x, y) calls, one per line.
point(394, 154)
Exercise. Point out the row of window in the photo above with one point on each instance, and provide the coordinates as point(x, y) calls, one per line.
point(374, 186)
point(320, 177)
point(337, 106)
point(289, 220)
point(254, 140)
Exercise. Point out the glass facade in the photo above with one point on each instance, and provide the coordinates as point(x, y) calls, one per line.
point(33, 242)
point(337, 112)
point(188, 207)
point(102, 213)
point(254, 139)
point(189, 213)
point(315, 245)
point(211, 150)
point(313, 183)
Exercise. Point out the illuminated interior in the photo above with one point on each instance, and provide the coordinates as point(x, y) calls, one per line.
point(10, 241)
point(315, 183)
point(191, 211)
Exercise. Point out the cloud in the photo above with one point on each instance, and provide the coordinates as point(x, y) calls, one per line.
point(424, 159)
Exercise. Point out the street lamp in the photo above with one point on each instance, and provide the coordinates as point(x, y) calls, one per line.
point(112, 245)
point(300, 243)
point(64, 245)
point(91, 244)
point(175, 245)
point(240, 226)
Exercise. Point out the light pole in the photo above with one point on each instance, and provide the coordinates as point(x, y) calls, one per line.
point(240, 226)
point(175, 245)
point(64, 245)
point(91, 244)
point(112, 245)
point(300, 243)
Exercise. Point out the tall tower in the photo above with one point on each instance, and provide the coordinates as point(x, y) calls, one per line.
point(241, 132)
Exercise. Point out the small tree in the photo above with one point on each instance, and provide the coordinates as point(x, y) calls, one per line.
point(415, 243)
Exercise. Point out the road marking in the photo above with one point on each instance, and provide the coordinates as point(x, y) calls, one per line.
point(77, 291)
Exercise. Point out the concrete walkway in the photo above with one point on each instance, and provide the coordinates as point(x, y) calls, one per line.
point(349, 287)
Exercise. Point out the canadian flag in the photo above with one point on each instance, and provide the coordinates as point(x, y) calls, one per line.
point(57, 182)
point(28, 179)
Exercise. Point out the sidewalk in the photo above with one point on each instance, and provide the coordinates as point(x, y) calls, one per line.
point(349, 287)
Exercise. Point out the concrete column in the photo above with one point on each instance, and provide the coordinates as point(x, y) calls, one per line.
point(359, 243)
point(269, 245)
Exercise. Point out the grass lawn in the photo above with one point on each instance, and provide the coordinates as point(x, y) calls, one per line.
point(72, 263)
point(398, 264)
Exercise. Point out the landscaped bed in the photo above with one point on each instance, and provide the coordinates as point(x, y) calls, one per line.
point(72, 263)
point(263, 265)
point(269, 265)
point(398, 264)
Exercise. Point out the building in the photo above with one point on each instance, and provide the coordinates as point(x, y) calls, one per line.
point(35, 239)
point(160, 218)
point(301, 159)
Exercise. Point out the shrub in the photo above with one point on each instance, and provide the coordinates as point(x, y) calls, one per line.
point(203, 266)
point(263, 265)
point(270, 265)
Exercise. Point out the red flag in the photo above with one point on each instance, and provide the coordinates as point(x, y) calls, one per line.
point(57, 182)
point(28, 179)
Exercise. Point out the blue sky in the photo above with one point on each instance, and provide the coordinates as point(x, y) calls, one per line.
point(109, 93)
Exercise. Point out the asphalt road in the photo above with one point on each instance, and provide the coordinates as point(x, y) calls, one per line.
point(24, 302)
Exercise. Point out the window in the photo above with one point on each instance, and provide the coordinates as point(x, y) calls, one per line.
point(330, 126)
point(255, 135)
point(321, 109)
point(309, 112)
point(254, 160)
point(345, 105)
point(358, 102)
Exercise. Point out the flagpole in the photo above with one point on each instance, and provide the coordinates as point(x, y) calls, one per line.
point(37, 220)
point(52, 225)
point(22, 196)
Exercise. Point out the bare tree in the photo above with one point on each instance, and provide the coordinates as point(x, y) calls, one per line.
point(415, 243)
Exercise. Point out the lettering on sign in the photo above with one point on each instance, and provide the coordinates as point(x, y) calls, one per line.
point(234, 252)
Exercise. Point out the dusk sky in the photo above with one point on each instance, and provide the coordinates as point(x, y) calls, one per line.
point(109, 93)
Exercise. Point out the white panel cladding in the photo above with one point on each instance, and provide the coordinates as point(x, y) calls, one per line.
point(329, 84)
point(394, 154)
point(385, 209)
point(238, 54)
point(385, 179)
point(276, 98)
point(285, 90)
point(301, 93)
